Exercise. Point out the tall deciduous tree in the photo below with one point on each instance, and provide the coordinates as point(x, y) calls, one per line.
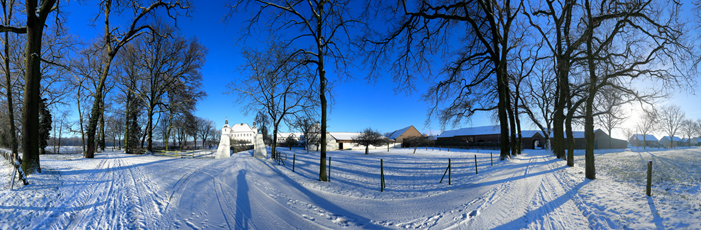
point(647, 124)
point(615, 34)
point(475, 78)
point(325, 25)
point(608, 101)
point(671, 121)
point(166, 62)
point(276, 85)
point(37, 13)
point(116, 38)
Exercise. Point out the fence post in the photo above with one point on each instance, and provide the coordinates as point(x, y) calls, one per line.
point(382, 177)
point(491, 157)
point(476, 165)
point(448, 148)
point(449, 169)
point(439, 148)
point(648, 188)
point(293, 162)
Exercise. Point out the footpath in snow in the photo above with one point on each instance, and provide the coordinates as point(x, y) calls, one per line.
point(531, 191)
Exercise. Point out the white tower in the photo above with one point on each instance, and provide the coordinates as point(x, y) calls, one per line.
point(224, 144)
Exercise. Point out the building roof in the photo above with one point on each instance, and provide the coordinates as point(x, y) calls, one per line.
point(531, 133)
point(667, 137)
point(345, 136)
point(397, 133)
point(473, 131)
point(241, 127)
point(647, 137)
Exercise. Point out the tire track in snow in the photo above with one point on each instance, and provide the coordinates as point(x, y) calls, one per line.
point(62, 216)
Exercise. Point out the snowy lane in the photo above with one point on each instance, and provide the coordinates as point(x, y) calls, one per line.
point(117, 190)
point(114, 193)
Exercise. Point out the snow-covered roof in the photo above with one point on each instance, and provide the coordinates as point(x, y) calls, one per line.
point(575, 134)
point(647, 137)
point(345, 136)
point(530, 133)
point(397, 133)
point(667, 138)
point(481, 130)
point(241, 127)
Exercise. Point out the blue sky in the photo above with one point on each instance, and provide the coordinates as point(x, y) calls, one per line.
point(358, 104)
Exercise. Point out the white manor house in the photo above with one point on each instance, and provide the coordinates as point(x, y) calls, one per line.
point(239, 131)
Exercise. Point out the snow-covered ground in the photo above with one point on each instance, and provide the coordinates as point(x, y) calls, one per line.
point(532, 191)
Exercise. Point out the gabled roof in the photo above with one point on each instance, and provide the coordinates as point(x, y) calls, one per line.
point(397, 133)
point(344, 136)
point(647, 137)
point(481, 130)
point(531, 133)
point(241, 127)
point(667, 138)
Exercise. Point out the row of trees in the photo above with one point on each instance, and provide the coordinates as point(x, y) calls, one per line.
point(139, 79)
point(670, 120)
point(555, 61)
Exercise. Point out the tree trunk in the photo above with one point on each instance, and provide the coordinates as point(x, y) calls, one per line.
point(94, 114)
point(512, 121)
point(590, 169)
point(8, 84)
point(322, 98)
point(274, 144)
point(32, 86)
point(559, 117)
point(102, 125)
point(149, 130)
point(366, 149)
point(127, 123)
point(502, 113)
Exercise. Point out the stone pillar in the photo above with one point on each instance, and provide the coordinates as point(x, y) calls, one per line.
point(224, 144)
point(258, 144)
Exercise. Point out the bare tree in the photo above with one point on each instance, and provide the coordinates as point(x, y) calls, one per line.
point(370, 137)
point(204, 127)
point(476, 79)
point(325, 24)
point(276, 85)
point(116, 38)
point(647, 124)
point(688, 129)
point(165, 62)
point(671, 120)
point(539, 102)
point(649, 24)
point(37, 13)
point(608, 101)
point(307, 126)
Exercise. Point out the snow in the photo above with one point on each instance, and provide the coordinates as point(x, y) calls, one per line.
point(397, 133)
point(647, 137)
point(531, 191)
point(668, 138)
point(481, 130)
point(344, 136)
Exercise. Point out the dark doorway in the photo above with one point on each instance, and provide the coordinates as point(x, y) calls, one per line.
point(340, 146)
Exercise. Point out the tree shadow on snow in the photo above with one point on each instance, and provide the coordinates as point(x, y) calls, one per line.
point(541, 212)
point(326, 204)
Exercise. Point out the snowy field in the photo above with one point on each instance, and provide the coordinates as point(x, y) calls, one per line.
point(195, 191)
